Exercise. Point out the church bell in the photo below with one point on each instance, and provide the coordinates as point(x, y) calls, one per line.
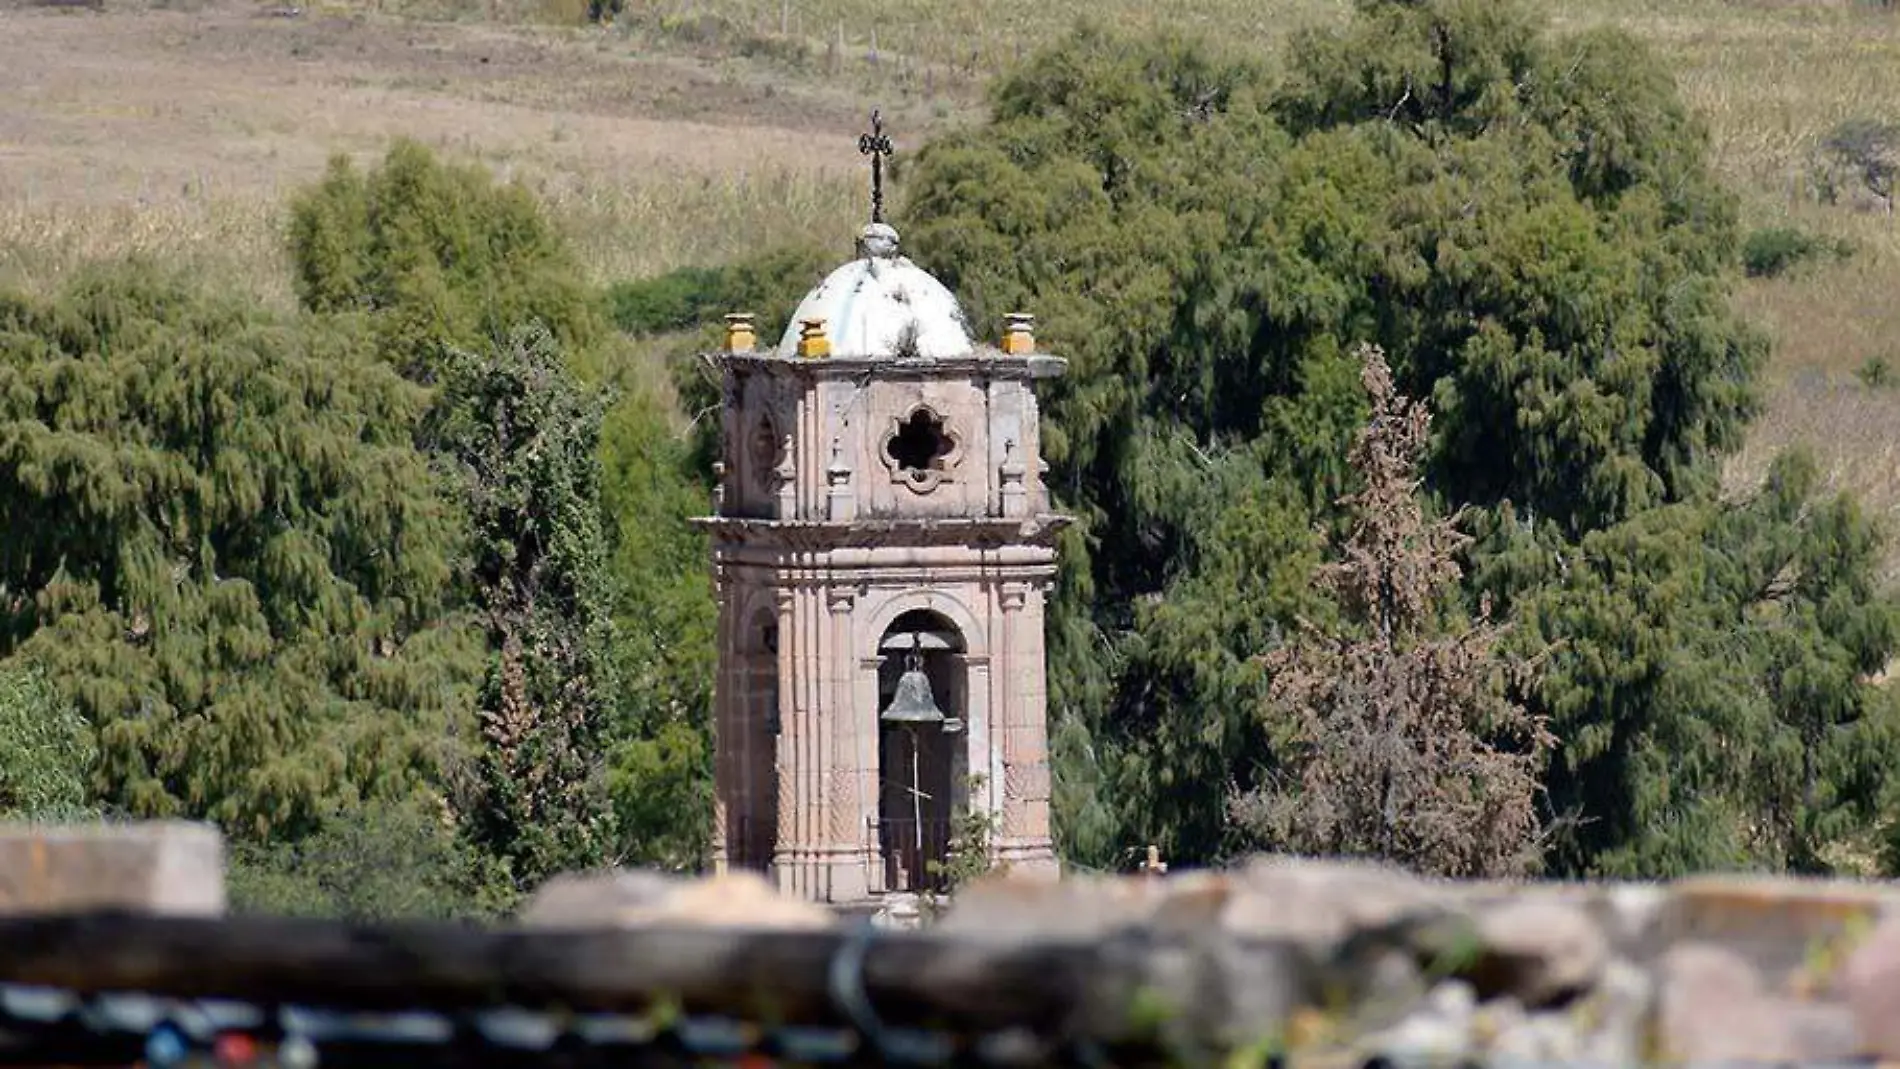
point(913, 705)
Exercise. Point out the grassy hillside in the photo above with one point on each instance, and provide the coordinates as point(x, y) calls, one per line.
point(692, 131)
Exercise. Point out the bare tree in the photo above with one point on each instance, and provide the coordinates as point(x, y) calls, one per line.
point(1397, 741)
point(1871, 149)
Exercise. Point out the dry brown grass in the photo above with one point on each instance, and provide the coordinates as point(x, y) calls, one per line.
point(1771, 79)
point(182, 134)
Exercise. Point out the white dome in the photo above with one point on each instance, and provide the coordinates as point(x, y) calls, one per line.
point(882, 305)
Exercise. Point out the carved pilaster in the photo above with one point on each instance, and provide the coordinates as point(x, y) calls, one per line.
point(786, 844)
point(721, 845)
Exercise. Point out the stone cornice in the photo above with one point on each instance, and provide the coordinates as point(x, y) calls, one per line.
point(983, 362)
point(786, 578)
point(980, 533)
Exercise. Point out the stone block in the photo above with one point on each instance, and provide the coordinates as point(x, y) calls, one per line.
point(1318, 903)
point(1626, 914)
point(1545, 951)
point(1870, 983)
point(635, 898)
point(163, 867)
point(1010, 907)
point(1713, 1008)
point(1776, 923)
point(594, 899)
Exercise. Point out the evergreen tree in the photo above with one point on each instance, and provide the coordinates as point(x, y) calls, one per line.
point(1710, 675)
point(444, 262)
point(521, 438)
point(441, 254)
point(225, 552)
point(1525, 223)
point(660, 762)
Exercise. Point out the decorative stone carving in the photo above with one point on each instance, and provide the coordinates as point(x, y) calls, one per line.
point(843, 796)
point(921, 449)
point(1015, 497)
point(762, 451)
point(840, 502)
point(786, 476)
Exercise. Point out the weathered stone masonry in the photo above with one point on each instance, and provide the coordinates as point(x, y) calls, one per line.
point(880, 508)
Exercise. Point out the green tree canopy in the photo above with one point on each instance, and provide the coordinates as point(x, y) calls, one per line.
point(47, 750)
point(442, 253)
point(1708, 671)
point(224, 550)
point(1524, 221)
point(383, 860)
point(583, 551)
point(521, 438)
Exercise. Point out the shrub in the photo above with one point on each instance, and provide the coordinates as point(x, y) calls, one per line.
point(1871, 150)
point(381, 861)
point(1774, 251)
point(1877, 372)
point(766, 285)
point(673, 301)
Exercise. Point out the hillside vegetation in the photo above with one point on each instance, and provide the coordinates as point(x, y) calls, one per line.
point(348, 472)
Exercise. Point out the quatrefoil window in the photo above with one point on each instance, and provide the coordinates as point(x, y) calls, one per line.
point(920, 450)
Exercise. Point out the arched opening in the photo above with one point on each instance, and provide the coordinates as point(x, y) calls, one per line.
point(922, 759)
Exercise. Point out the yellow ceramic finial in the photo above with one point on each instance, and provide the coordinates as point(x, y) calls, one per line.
point(740, 337)
point(1018, 340)
point(812, 343)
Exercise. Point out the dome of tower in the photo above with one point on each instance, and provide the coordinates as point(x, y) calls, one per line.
point(882, 305)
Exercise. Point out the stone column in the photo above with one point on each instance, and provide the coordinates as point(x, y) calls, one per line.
point(1025, 844)
point(982, 733)
point(790, 847)
point(726, 771)
point(845, 852)
point(871, 811)
point(819, 855)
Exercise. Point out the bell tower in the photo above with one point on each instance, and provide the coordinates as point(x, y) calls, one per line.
point(882, 542)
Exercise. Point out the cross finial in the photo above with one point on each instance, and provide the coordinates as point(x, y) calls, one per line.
point(876, 145)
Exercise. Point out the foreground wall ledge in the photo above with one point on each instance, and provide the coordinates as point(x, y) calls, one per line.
point(1331, 963)
point(162, 868)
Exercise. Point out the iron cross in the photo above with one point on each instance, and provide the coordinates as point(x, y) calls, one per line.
point(877, 146)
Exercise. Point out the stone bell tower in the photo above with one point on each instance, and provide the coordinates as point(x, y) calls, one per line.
point(882, 543)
